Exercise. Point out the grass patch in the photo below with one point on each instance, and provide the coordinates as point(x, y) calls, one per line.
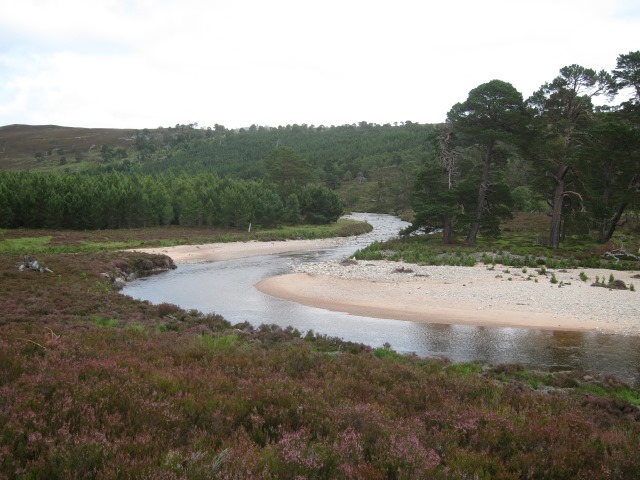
point(167, 327)
point(217, 343)
point(620, 392)
point(519, 245)
point(387, 353)
point(24, 245)
point(464, 369)
point(33, 242)
point(136, 327)
point(105, 322)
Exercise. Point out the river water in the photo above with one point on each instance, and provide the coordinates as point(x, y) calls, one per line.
point(227, 288)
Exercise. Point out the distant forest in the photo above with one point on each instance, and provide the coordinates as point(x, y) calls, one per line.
point(568, 151)
point(371, 167)
point(216, 176)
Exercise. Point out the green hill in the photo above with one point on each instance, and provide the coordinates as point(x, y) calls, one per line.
point(370, 166)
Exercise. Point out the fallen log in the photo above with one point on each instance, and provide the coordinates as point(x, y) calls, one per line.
point(620, 254)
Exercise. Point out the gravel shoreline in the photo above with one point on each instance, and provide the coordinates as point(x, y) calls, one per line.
point(480, 295)
point(502, 288)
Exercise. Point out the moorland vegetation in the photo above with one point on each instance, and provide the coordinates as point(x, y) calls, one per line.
point(97, 385)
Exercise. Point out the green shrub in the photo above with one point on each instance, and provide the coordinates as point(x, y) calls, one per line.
point(105, 322)
point(465, 368)
point(136, 327)
point(217, 343)
point(386, 352)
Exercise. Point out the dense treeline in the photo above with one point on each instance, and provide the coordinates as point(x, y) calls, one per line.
point(555, 152)
point(117, 200)
point(370, 166)
point(373, 164)
point(337, 153)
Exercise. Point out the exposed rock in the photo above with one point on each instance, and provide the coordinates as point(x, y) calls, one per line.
point(33, 264)
point(134, 266)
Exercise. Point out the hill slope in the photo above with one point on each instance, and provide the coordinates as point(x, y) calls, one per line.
point(370, 166)
point(19, 144)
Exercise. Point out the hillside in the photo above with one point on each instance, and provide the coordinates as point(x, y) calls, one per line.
point(370, 166)
point(22, 145)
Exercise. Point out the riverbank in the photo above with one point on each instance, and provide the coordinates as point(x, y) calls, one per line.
point(481, 295)
point(215, 252)
point(488, 296)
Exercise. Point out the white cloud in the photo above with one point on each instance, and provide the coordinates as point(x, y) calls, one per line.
point(138, 64)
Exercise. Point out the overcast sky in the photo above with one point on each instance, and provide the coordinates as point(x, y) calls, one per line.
point(148, 63)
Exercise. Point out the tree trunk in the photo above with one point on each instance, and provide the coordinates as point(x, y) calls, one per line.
point(473, 233)
point(447, 230)
point(482, 195)
point(604, 221)
point(606, 236)
point(556, 213)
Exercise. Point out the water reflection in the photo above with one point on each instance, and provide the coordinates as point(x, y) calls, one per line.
point(226, 288)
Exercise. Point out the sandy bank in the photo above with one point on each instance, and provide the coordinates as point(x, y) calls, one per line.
point(464, 295)
point(214, 252)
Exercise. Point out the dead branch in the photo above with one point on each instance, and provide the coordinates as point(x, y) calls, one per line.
point(566, 193)
point(447, 156)
point(620, 254)
point(31, 341)
point(53, 335)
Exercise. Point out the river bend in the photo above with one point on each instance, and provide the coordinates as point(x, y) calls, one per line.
point(227, 288)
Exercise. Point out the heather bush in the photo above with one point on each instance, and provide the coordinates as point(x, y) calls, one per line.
point(95, 387)
point(167, 309)
point(148, 404)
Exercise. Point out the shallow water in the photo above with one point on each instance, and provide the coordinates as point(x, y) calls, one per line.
point(227, 288)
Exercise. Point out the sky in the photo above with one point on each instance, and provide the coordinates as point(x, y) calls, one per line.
point(150, 63)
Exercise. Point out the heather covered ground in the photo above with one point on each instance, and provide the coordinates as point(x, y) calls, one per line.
point(96, 385)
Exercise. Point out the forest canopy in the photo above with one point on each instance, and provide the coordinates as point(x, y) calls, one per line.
point(127, 200)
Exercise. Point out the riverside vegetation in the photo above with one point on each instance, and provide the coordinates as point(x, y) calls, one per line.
point(516, 246)
point(97, 385)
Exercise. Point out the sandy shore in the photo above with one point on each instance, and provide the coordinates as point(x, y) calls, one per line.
point(215, 252)
point(477, 295)
point(503, 296)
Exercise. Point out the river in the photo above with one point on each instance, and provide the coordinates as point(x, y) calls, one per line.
point(227, 288)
